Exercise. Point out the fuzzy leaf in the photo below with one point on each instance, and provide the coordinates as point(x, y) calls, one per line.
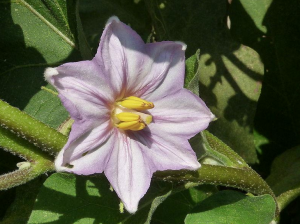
point(229, 207)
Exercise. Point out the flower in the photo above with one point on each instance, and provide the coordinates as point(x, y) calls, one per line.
point(131, 114)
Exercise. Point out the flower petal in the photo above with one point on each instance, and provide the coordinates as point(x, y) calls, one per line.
point(163, 70)
point(168, 152)
point(136, 68)
point(128, 172)
point(120, 55)
point(182, 114)
point(79, 84)
point(98, 153)
point(87, 142)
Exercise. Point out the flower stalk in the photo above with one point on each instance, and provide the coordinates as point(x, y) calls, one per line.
point(244, 179)
point(31, 129)
point(38, 161)
point(287, 197)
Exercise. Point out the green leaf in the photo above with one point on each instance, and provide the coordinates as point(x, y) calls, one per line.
point(21, 208)
point(229, 207)
point(177, 206)
point(219, 151)
point(66, 198)
point(191, 80)
point(255, 10)
point(230, 74)
point(36, 35)
point(232, 95)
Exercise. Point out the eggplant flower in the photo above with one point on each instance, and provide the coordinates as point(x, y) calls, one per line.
point(131, 114)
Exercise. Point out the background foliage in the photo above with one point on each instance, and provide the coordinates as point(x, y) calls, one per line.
point(246, 70)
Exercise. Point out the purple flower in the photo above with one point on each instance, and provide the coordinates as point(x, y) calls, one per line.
point(132, 115)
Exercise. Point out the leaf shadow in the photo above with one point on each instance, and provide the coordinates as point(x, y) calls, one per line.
point(82, 204)
point(228, 197)
point(21, 65)
point(15, 54)
point(277, 116)
point(91, 200)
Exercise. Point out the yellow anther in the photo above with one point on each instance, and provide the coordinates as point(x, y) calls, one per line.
point(138, 127)
point(126, 116)
point(131, 125)
point(127, 125)
point(136, 103)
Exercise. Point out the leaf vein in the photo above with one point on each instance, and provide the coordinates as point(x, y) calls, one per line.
point(57, 31)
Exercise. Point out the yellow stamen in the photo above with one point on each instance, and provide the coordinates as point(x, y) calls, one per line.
point(126, 116)
point(138, 127)
point(136, 103)
point(131, 125)
point(127, 125)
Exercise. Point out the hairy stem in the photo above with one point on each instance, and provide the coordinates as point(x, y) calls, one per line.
point(21, 147)
point(38, 162)
point(31, 129)
point(24, 175)
point(244, 179)
point(287, 197)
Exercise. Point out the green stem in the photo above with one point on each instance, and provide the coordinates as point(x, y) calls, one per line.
point(22, 176)
point(23, 148)
point(31, 129)
point(287, 197)
point(244, 179)
point(38, 161)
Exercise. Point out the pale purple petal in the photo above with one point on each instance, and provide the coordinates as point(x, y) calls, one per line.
point(96, 158)
point(90, 73)
point(120, 55)
point(82, 97)
point(181, 114)
point(128, 171)
point(79, 128)
point(134, 68)
point(88, 141)
point(163, 70)
point(168, 152)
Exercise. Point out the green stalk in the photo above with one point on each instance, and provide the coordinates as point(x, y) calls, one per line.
point(31, 129)
point(287, 197)
point(22, 176)
point(244, 179)
point(21, 147)
point(38, 161)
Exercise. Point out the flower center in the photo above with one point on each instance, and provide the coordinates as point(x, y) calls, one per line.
point(127, 116)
